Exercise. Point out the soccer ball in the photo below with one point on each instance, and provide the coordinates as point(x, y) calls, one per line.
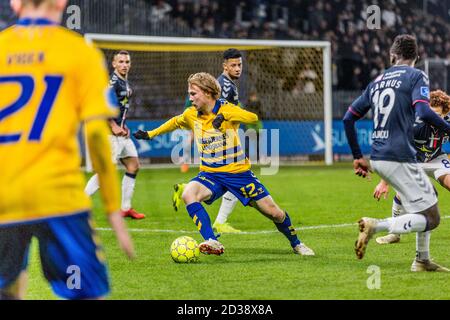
point(184, 250)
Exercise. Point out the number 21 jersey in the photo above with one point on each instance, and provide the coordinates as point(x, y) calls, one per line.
point(50, 81)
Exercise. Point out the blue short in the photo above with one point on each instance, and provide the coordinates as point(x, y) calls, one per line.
point(245, 186)
point(72, 260)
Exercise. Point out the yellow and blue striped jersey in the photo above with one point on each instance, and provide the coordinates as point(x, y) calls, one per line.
point(50, 81)
point(220, 151)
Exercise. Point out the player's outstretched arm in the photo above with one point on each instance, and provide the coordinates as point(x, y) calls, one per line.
point(99, 149)
point(174, 123)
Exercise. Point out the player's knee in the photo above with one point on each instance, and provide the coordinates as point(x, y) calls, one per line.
point(279, 216)
point(433, 222)
point(433, 217)
point(132, 165)
point(133, 169)
point(445, 181)
point(276, 213)
point(187, 197)
point(190, 196)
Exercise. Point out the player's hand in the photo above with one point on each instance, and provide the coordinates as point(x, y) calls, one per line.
point(362, 168)
point(118, 131)
point(141, 135)
point(123, 238)
point(381, 189)
point(127, 132)
point(217, 122)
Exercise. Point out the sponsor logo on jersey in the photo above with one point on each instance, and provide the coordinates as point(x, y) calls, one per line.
point(425, 92)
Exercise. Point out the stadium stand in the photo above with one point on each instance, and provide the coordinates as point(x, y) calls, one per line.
point(356, 50)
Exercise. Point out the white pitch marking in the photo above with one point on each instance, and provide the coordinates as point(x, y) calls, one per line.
point(322, 226)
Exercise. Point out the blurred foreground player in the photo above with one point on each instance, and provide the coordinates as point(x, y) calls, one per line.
point(51, 81)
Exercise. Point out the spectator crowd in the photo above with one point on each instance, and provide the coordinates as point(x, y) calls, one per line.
point(359, 53)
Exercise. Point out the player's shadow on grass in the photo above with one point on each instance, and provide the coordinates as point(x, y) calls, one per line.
point(248, 251)
point(258, 255)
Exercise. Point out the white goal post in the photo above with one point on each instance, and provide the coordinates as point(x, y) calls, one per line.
point(278, 74)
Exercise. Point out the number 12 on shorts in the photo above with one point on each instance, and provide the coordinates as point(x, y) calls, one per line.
point(249, 190)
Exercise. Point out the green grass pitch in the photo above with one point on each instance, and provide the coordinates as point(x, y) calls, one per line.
point(324, 204)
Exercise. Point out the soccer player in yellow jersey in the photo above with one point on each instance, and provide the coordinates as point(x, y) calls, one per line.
point(224, 166)
point(51, 81)
point(232, 70)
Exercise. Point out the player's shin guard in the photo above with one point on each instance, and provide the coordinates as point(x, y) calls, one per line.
point(92, 185)
point(423, 245)
point(201, 220)
point(288, 230)
point(229, 201)
point(128, 183)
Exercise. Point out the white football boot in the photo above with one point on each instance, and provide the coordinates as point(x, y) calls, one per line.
point(211, 247)
point(303, 250)
point(427, 265)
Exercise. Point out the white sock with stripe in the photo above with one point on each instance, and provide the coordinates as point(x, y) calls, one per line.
point(403, 224)
point(423, 245)
point(128, 183)
point(229, 201)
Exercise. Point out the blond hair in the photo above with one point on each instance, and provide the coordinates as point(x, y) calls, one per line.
point(206, 82)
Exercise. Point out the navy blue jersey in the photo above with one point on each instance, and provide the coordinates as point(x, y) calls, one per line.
point(428, 140)
point(229, 90)
point(392, 97)
point(123, 93)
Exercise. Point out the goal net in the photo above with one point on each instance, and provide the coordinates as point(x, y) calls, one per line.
point(287, 82)
point(439, 72)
